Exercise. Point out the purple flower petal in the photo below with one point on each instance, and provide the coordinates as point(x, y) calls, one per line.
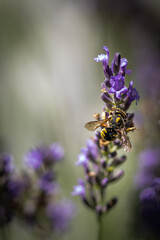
point(7, 162)
point(47, 183)
point(82, 159)
point(15, 187)
point(104, 58)
point(60, 214)
point(34, 158)
point(117, 82)
point(79, 189)
point(133, 93)
point(123, 90)
point(104, 182)
point(116, 63)
point(56, 151)
point(123, 66)
point(93, 150)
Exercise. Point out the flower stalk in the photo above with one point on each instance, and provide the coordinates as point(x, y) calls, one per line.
point(100, 227)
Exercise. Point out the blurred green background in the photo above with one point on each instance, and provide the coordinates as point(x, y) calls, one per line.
point(50, 87)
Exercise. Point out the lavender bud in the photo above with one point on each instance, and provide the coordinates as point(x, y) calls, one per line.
point(107, 83)
point(118, 161)
point(127, 104)
point(112, 154)
point(116, 175)
point(97, 137)
point(103, 163)
point(108, 72)
point(106, 98)
point(111, 203)
point(116, 63)
point(104, 182)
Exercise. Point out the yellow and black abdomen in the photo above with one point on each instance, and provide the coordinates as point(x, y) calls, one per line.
point(117, 122)
point(108, 134)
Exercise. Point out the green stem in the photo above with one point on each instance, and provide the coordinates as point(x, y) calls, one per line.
point(100, 228)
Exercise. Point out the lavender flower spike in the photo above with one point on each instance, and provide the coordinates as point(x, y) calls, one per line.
point(100, 156)
point(33, 197)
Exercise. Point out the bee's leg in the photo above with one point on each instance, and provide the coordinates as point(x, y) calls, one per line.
point(103, 143)
point(104, 125)
point(131, 129)
point(113, 108)
point(119, 132)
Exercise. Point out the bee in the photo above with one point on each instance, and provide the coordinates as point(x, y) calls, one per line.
point(113, 127)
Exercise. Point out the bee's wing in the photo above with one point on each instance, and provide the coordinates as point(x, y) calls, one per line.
point(126, 142)
point(93, 125)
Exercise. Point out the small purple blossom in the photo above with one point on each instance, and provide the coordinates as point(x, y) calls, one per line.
point(6, 162)
point(82, 159)
point(117, 86)
point(104, 58)
point(79, 189)
point(123, 66)
point(90, 153)
point(47, 183)
point(15, 187)
point(60, 215)
point(34, 158)
point(117, 82)
point(132, 93)
point(53, 153)
point(104, 182)
point(93, 150)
